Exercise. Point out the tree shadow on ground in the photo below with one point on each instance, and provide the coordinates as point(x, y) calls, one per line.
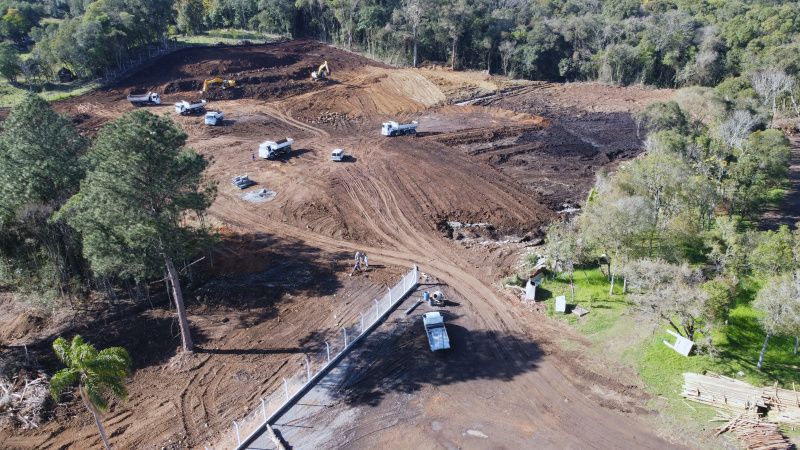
point(744, 340)
point(257, 271)
point(250, 274)
point(151, 337)
point(401, 361)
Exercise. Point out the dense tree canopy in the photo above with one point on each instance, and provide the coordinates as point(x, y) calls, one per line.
point(665, 42)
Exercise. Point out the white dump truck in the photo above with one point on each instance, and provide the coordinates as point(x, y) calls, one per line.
point(397, 129)
point(214, 118)
point(338, 155)
point(272, 149)
point(185, 108)
point(437, 333)
point(146, 98)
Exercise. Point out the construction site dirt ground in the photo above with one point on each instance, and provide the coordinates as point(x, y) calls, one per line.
point(495, 161)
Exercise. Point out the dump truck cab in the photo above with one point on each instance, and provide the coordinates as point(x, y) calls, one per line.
point(338, 155)
point(214, 118)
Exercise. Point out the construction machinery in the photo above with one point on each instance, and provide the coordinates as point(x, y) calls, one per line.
point(396, 129)
point(272, 149)
point(217, 81)
point(214, 118)
point(322, 73)
point(185, 108)
point(437, 333)
point(146, 98)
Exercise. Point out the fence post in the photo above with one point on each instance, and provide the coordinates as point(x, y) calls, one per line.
point(345, 336)
point(328, 350)
point(264, 409)
point(362, 323)
point(286, 388)
point(236, 427)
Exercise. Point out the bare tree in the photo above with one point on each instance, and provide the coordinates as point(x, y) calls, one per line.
point(779, 304)
point(507, 50)
point(668, 292)
point(770, 84)
point(735, 129)
point(564, 249)
point(415, 11)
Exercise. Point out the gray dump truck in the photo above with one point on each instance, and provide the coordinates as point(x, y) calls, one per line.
point(144, 98)
point(437, 333)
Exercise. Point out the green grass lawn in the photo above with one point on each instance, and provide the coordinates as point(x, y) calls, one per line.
point(12, 94)
point(228, 36)
point(617, 332)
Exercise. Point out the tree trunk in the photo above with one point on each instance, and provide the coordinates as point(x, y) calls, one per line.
point(453, 62)
point(97, 422)
point(763, 350)
point(572, 287)
point(611, 289)
point(177, 294)
point(414, 29)
point(624, 285)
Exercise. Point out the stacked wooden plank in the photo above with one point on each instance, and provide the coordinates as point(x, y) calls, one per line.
point(722, 392)
point(779, 405)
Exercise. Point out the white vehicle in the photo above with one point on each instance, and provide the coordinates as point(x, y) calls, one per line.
point(147, 98)
point(437, 333)
point(185, 108)
point(272, 149)
point(338, 155)
point(396, 129)
point(214, 118)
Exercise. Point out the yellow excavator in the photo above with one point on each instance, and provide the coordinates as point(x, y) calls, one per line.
point(217, 81)
point(323, 72)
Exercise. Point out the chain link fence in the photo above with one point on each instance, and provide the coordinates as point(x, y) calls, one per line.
point(316, 363)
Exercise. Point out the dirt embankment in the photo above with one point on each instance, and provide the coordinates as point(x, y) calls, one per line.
point(498, 171)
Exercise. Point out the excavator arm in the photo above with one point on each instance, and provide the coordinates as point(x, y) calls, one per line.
point(324, 71)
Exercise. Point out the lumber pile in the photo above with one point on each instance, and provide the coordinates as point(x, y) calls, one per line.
point(779, 405)
point(721, 392)
point(756, 434)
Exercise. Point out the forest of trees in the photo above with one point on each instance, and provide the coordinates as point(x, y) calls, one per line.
point(678, 226)
point(655, 42)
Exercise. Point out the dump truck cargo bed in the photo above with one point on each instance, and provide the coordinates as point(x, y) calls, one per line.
point(436, 331)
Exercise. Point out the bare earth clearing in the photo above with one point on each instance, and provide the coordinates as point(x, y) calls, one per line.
point(278, 283)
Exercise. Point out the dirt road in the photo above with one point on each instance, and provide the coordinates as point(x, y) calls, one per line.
point(787, 212)
point(464, 201)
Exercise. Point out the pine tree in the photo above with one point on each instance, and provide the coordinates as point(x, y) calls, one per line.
point(134, 209)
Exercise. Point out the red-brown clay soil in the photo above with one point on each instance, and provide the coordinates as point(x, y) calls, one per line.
point(279, 279)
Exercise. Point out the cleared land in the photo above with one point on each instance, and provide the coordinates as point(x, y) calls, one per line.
point(278, 282)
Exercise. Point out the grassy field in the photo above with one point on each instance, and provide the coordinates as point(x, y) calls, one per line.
point(11, 94)
point(228, 36)
point(616, 331)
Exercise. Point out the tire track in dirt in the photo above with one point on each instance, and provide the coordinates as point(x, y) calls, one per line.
point(384, 199)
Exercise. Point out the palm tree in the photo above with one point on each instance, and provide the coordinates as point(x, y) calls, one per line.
point(98, 375)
